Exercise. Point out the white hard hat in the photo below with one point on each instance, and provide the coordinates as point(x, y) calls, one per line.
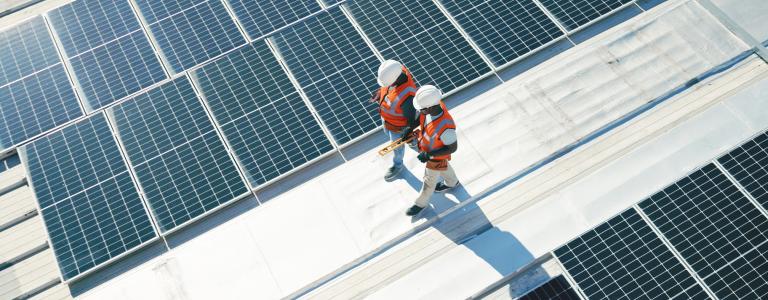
point(389, 70)
point(427, 96)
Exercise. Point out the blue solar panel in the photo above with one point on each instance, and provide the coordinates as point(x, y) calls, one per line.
point(749, 165)
point(417, 34)
point(36, 104)
point(262, 115)
point(117, 69)
point(153, 10)
point(262, 17)
point(196, 34)
point(86, 24)
point(336, 69)
point(504, 29)
point(624, 259)
point(181, 164)
point(90, 205)
point(24, 49)
point(555, 289)
point(575, 13)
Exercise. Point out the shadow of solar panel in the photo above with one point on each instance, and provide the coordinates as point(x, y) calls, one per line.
point(84, 25)
point(749, 165)
point(262, 17)
point(575, 13)
point(90, 205)
point(116, 70)
point(417, 34)
point(336, 70)
point(624, 259)
point(504, 30)
point(555, 289)
point(266, 122)
point(196, 34)
point(707, 219)
point(25, 49)
point(180, 162)
point(36, 104)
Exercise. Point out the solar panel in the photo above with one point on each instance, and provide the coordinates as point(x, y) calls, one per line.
point(749, 165)
point(36, 104)
point(193, 35)
point(109, 53)
point(336, 69)
point(504, 29)
point(555, 289)
point(707, 219)
point(744, 278)
point(25, 49)
point(180, 162)
point(90, 205)
point(262, 115)
point(575, 13)
point(417, 34)
point(624, 259)
point(87, 24)
point(262, 17)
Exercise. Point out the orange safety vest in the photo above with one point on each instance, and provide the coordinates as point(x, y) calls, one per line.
point(431, 132)
point(391, 103)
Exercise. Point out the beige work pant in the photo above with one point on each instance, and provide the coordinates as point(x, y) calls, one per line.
point(431, 178)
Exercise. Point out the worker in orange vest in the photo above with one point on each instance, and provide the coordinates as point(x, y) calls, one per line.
point(437, 141)
point(395, 99)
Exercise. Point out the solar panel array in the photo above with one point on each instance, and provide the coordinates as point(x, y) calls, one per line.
point(90, 205)
point(575, 13)
point(181, 164)
point(211, 98)
point(715, 228)
point(556, 288)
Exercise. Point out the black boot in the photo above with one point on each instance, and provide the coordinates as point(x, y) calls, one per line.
point(442, 188)
point(414, 210)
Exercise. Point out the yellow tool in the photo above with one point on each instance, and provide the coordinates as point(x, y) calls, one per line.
point(395, 144)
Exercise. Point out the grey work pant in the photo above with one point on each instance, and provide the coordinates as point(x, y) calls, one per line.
point(431, 178)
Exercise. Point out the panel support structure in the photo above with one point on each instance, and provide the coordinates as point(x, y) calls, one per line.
point(741, 188)
point(568, 277)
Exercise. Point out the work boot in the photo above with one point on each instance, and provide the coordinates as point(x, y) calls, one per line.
point(414, 210)
point(442, 187)
point(393, 172)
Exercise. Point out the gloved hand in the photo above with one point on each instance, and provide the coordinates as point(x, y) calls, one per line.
point(376, 96)
point(424, 157)
point(407, 132)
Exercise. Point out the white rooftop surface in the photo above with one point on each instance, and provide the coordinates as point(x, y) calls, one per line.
point(311, 231)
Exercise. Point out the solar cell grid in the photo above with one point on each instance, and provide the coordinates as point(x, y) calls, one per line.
point(86, 24)
point(575, 13)
point(504, 30)
point(262, 17)
point(707, 219)
point(333, 65)
point(555, 289)
point(36, 104)
point(91, 208)
point(417, 34)
point(262, 115)
point(196, 34)
point(154, 11)
point(624, 259)
point(744, 278)
point(25, 49)
point(749, 166)
point(180, 162)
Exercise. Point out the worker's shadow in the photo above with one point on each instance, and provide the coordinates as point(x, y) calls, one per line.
point(469, 227)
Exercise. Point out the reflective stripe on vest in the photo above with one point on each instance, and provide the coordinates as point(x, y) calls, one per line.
point(394, 104)
point(436, 133)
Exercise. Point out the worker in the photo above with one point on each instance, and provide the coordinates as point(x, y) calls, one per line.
point(436, 141)
point(395, 100)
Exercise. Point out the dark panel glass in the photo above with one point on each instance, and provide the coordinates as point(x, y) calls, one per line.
point(196, 35)
point(624, 259)
point(25, 49)
point(504, 29)
point(262, 17)
point(749, 165)
point(555, 289)
point(265, 120)
point(90, 205)
point(336, 69)
point(36, 104)
point(85, 24)
point(744, 278)
point(574, 13)
point(154, 10)
point(419, 35)
point(181, 164)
